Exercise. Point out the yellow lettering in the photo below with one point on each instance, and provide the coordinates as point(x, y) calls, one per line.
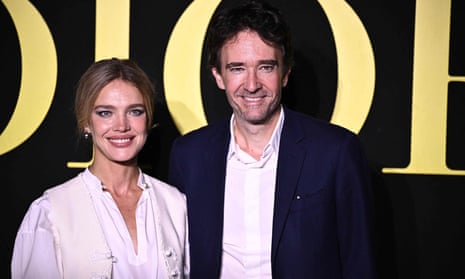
point(356, 65)
point(182, 66)
point(38, 76)
point(355, 88)
point(111, 38)
point(112, 24)
point(430, 87)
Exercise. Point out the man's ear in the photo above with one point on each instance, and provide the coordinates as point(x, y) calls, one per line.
point(285, 78)
point(218, 78)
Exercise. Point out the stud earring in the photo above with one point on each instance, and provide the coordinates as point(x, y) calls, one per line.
point(87, 135)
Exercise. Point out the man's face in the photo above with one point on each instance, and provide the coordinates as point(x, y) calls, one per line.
point(252, 76)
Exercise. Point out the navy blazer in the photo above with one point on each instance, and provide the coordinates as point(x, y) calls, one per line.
point(323, 215)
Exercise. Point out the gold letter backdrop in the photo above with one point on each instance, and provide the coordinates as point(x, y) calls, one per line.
point(391, 71)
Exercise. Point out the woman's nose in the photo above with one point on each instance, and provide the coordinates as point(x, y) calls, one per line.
point(121, 124)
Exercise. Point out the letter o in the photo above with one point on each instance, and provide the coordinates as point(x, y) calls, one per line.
point(183, 63)
point(38, 76)
point(356, 67)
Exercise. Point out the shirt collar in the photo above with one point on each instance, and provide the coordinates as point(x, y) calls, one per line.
point(93, 180)
point(273, 144)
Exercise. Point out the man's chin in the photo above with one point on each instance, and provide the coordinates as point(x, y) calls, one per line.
point(258, 119)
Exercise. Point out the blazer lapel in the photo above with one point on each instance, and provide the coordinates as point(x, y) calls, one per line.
point(211, 204)
point(287, 177)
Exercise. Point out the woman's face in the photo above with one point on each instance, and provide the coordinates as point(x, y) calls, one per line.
point(118, 123)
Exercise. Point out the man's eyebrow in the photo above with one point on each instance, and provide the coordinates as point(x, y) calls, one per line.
point(233, 64)
point(260, 62)
point(269, 61)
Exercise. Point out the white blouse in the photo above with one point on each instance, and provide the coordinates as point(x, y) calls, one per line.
point(34, 255)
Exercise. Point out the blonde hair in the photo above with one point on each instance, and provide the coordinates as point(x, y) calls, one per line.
point(102, 72)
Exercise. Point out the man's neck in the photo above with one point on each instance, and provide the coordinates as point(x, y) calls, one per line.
point(252, 138)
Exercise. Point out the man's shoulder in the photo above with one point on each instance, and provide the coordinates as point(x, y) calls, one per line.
point(204, 134)
point(311, 122)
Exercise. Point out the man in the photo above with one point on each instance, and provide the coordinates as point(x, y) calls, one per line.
point(270, 192)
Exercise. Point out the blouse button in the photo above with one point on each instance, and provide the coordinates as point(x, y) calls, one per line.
point(174, 273)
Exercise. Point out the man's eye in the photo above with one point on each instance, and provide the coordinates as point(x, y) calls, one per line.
point(267, 68)
point(236, 69)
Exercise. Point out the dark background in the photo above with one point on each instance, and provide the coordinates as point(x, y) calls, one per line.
point(420, 218)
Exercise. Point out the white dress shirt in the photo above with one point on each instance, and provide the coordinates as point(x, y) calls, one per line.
point(248, 209)
point(34, 241)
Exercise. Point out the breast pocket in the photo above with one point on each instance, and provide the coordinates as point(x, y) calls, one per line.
point(313, 201)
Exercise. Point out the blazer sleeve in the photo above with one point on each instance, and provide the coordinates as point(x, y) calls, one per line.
point(355, 213)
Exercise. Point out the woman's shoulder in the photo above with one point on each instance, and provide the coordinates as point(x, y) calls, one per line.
point(161, 186)
point(66, 186)
point(167, 197)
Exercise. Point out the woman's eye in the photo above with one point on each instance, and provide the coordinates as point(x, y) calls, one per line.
point(103, 113)
point(137, 112)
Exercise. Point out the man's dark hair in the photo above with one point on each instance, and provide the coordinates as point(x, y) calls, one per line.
point(258, 16)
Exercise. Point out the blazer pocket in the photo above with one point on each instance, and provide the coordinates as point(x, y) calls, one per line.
point(314, 200)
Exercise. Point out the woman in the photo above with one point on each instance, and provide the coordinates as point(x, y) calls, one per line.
point(111, 220)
